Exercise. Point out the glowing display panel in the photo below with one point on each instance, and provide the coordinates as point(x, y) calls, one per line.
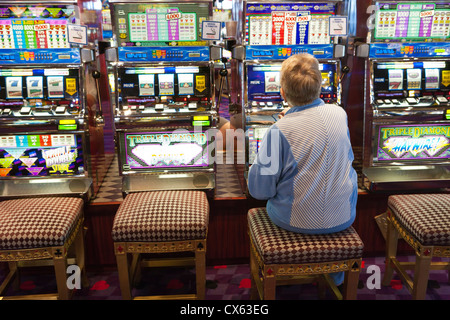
point(147, 86)
point(160, 24)
point(41, 155)
point(35, 27)
point(255, 137)
point(166, 150)
point(263, 82)
point(406, 143)
point(40, 88)
point(412, 20)
point(288, 23)
point(411, 79)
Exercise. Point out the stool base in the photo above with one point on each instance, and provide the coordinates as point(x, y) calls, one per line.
point(265, 278)
point(417, 286)
point(56, 256)
point(130, 272)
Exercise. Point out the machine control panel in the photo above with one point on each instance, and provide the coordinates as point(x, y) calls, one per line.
point(416, 83)
point(39, 92)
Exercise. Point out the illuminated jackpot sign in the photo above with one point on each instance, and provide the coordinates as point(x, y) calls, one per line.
point(41, 155)
point(166, 150)
point(413, 142)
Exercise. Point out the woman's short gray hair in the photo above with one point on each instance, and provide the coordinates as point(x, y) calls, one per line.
point(301, 79)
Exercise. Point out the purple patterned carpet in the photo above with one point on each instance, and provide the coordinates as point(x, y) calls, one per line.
point(227, 282)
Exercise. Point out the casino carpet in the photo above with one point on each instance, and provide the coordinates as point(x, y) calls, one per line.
point(227, 282)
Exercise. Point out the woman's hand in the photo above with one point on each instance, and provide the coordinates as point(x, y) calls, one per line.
point(282, 113)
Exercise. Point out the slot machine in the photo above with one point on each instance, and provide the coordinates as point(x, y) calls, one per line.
point(50, 118)
point(407, 113)
point(165, 109)
point(271, 32)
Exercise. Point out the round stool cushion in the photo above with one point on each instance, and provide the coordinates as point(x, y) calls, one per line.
point(425, 216)
point(279, 246)
point(38, 222)
point(162, 216)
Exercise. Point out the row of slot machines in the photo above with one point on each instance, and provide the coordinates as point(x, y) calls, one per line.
point(165, 82)
point(51, 132)
point(164, 88)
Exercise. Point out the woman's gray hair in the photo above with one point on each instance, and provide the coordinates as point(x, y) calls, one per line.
point(301, 79)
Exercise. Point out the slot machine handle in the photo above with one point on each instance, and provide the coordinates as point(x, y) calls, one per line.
point(224, 77)
point(99, 116)
point(344, 70)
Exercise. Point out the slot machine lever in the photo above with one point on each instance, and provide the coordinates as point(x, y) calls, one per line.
point(223, 78)
point(344, 70)
point(99, 117)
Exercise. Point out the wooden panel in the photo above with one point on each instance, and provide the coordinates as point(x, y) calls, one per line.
point(99, 245)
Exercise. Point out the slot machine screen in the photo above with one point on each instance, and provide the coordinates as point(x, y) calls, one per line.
point(40, 88)
point(411, 79)
point(255, 137)
point(41, 155)
point(406, 144)
point(263, 82)
point(160, 24)
point(35, 27)
point(288, 23)
point(146, 86)
point(415, 20)
point(179, 149)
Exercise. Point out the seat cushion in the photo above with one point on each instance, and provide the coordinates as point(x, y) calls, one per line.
point(279, 246)
point(38, 222)
point(162, 216)
point(425, 216)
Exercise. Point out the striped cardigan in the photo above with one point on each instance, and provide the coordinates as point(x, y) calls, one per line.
point(304, 170)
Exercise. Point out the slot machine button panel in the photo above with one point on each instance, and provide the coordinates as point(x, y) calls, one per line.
point(192, 106)
point(60, 110)
point(429, 100)
point(442, 100)
point(25, 110)
point(411, 100)
point(159, 107)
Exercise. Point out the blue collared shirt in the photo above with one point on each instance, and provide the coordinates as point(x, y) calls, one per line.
point(304, 170)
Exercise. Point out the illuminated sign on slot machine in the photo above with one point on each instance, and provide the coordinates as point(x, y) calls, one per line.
point(413, 142)
point(41, 155)
point(166, 150)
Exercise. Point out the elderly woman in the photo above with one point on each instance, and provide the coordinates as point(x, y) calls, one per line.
point(304, 164)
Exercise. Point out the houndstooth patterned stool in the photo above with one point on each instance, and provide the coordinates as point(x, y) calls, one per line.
point(279, 256)
point(161, 222)
point(42, 228)
point(423, 221)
